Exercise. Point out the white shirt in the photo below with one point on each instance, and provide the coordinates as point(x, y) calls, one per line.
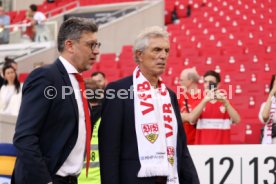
point(7, 91)
point(39, 17)
point(74, 162)
point(273, 106)
point(10, 100)
point(267, 139)
point(42, 32)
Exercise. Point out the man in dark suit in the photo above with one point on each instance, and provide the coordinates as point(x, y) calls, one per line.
point(53, 122)
point(141, 139)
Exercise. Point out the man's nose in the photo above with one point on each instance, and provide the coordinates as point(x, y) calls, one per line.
point(164, 54)
point(96, 51)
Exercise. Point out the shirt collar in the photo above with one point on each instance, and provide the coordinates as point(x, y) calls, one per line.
point(68, 66)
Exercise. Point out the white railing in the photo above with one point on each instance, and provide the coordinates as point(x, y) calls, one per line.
point(62, 8)
point(16, 34)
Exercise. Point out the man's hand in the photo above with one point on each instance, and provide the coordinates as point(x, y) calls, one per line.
point(220, 96)
point(210, 95)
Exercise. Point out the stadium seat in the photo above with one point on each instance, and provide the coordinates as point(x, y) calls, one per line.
point(235, 38)
point(108, 61)
point(22, 77)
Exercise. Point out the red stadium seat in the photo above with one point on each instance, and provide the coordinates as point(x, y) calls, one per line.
point(22, 77)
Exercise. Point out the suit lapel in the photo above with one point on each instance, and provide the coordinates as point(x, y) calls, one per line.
point(131, 99)
point(67, 82)
point(179, 122)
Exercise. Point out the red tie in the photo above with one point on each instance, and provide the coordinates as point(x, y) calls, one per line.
point(87, 119)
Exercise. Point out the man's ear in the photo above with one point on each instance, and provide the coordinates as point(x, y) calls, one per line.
point(138, 55)
point(68, 45)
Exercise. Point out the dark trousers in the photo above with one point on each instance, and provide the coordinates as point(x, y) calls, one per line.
point(65, 180)
point(160, 180)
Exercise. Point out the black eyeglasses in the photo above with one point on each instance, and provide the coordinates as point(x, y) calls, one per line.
point(94, 45)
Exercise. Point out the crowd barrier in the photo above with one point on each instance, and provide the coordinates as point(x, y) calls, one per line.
point(235, 164)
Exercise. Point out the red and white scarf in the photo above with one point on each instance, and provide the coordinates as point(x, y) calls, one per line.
point(156, 129)
point(267, 139)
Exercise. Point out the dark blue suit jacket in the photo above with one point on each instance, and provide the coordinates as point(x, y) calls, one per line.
point(46, 129)
point(119, 161)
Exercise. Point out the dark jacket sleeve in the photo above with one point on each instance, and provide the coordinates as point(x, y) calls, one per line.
point(32, 115)
point(110, 136)
point(188, 173)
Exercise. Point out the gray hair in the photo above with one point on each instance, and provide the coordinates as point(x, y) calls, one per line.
point(142, 40)
point(73, 28)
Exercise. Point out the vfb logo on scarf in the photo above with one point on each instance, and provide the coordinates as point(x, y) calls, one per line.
point(150, 131)
point(170, 152)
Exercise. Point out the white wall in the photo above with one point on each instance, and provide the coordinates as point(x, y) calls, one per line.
point(7, 127)
point(24, 4)
point(124, 30)
point(46, 56)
